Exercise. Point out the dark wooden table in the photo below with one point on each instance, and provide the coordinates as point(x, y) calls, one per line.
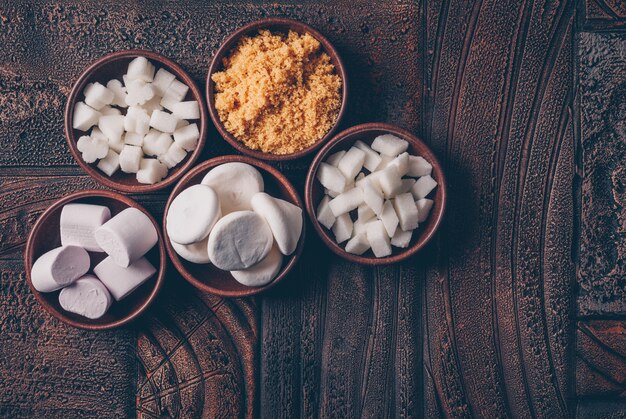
point(517, 309)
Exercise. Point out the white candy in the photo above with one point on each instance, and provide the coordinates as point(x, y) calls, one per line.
point(174, 155)
point(92, 149)
point(406, 211)
point(153, 104)
point(182, 123)
point(384, 161)
point(130, 158)
point(423, 187)
point(132, 138)
point(342, 229)
point(372, 158)
point(112, 126)
point(84, 116)
point(351, 163)
point(140, 68)
point(163, 121)
point(407, 185)
point(162, 80)
point(284, 218)
point(107, 110)
point(389, 218)
point(378, 239)
point(187, 110)
point(401, 238)
point(372, 197)
point(168, 102)
point(59, 267)
point(87, 297)
point(110, 164)
point(401, 163)
point(390, 181)
point(194, 252)
point(79, 222)
point(263, 272)
point(330, 193)
point(360, 226)
point(137, 120)
point(126, 237)
point(157, 143)
point(389, 145)
point(187, 136)
point(239, 240)
point(235, 184)
point(176, 91)
point(358, 244)
point(423, 209)
point(151, 171)
point(364, 212)
point(346, 202)
point(324, 214)
point(138, 92)
point(331, 178)
point(97, 96)
point(192, 214)
point(335, 158)
point(121, 281)
point(97, 134)
point(119, 93)
point(418, 166)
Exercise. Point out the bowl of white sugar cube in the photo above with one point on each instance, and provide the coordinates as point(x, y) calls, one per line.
point(135, 121)
point(375, 194)
point(95, 259)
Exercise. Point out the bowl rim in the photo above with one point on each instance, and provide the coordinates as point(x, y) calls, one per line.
point(425, 236)
point(29, 259)
point(76, 91)
point(226, 47)
point(183, 184)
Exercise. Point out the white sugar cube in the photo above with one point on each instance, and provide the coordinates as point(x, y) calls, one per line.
point(390, 181)
point(384, 161)
point(174, 155)
point(389, 145)
point(418, 166)
point(389, 218)
point(110, 163)
point(157, 145)
point(401, 238)
point(137, 120)
point(372, 158)
point(163, 121)
point(358, 244)
point(162, 80)
point(119, 93)
point(334, 158)
point(407, 185)
point(423, 209)
point(324, 214)
point(176, 91)
point(346, 202)
point(132, 138)
point(116, 145)
point(168, 103)
point(84, 116)
point(360, 226)
point(364, 212)
point(187, 136)
point(140, 69)
point(97, 134)
point(406, 211)
point(92, 149)
point(351, 163)
point(107, 110)
point(342, 229)
point(401, 163)
point(378, 239)
point(182, 123)
point(151, 171)
point(112, 126)
point(153, 104)
point(138, 92)
point(97, 95)
point(372, 197)
point(187, 110)
point(331, 178)
point(130, 158)
point(423, 187)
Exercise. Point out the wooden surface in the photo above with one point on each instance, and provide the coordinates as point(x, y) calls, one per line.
point(515, 310)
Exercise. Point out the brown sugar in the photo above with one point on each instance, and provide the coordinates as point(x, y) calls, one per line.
point(278, 93)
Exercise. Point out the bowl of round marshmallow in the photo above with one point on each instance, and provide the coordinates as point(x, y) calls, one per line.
point(135, 121)
point(234, 226)
point(375, 194)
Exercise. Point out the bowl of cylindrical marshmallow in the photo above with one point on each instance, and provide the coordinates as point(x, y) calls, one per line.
point(95, 259)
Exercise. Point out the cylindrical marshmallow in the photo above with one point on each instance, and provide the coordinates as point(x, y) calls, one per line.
point(59, 267)
point(127, 236)
point(122, 281)
point(79, 222)
point(87, 297)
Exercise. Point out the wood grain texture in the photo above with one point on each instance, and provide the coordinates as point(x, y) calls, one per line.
point(604, 15)
point(499, 112)
point(602, 260)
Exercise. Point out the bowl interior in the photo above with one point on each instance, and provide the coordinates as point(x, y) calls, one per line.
point(113, 67)
point(209, 278)
point(425, 230)
point(282, 26)
point(46, 236)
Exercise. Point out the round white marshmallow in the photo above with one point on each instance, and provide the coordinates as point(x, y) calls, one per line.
point(194, 252)
point(192, 214)
point(284, 219)
point(263, 272)
point(235, 184)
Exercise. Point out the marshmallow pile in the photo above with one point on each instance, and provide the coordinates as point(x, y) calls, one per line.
point(146, 140)
point(229, 221)
point(125, 238)
point(375, 195)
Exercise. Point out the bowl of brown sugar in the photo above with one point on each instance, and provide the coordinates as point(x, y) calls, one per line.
point(276, 89)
